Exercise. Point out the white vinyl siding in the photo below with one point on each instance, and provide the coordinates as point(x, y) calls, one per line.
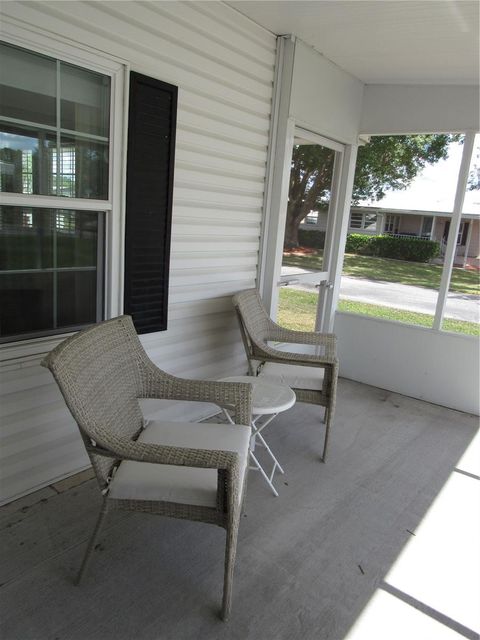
point(224, 67)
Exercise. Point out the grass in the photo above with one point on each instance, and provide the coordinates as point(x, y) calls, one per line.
point(297, 310)
point(399, 271)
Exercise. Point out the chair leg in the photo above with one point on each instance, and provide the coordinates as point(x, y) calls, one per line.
point(328, 415)
point(91, 544)
point(230, 553)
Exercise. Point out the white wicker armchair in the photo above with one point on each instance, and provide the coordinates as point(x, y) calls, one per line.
point(194, 471)
point(310, 368)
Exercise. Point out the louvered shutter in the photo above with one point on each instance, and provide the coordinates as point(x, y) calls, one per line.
point(150, 165)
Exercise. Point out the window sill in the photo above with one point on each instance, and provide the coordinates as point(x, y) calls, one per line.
point(29, 350)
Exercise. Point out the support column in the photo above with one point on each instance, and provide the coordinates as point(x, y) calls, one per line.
point(467, 243)
point(278, 175)
point(454, 229)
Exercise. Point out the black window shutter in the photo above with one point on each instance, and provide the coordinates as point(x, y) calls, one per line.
point(150, 164)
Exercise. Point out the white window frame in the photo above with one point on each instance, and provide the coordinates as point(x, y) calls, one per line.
point(391, 220)
point(358, 215)
point(114, 207)
point(362, 226)
point(422, 226)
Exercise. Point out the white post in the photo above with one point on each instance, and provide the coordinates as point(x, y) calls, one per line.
point(454, 228)
point(467, 243)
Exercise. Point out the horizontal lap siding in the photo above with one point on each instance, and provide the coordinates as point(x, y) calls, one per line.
point(223, 66)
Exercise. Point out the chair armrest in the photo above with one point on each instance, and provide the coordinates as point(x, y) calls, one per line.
point(276, 355)
point(232, 395)
point(281, 334)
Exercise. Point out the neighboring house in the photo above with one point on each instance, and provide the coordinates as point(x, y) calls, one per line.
point(431, 225)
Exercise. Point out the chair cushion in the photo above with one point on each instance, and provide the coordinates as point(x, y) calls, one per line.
point(184, 485)
point(294, 375)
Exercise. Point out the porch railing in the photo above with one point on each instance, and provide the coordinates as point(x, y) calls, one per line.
point(408, 236)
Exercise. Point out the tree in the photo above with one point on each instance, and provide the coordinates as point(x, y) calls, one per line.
point(385, 163)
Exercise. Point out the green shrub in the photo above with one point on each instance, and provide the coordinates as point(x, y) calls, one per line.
point(358, 243)
point(312, 238)
point(410, 249)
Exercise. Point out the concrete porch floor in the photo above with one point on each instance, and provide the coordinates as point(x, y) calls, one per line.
point(381, 542)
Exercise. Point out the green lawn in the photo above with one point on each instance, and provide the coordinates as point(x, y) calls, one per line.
point(400, 271)
point(297, 310)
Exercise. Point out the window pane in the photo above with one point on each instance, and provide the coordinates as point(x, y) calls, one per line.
point(370, 220)
point(52, 162)
point(396, 275)
point(427, 226)
point(83, 168)
point(26, 239)
point(77, 292)
point(356, 220)
point(462, 309)
point(311, 175)
point(49, 269)
point(26, 160)
point(26, 303)
point(85, 100)
point(77, 237)
point(30, 164)
point(28, 86)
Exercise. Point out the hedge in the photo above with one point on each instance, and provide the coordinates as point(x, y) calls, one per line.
point(312, 238)
point(411, 249)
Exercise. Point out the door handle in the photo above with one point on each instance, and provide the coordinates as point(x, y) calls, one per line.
point(324, 283)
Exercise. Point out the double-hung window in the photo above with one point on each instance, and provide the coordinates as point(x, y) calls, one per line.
point(56, 192)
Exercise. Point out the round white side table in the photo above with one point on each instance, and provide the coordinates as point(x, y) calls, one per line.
point(268, 400)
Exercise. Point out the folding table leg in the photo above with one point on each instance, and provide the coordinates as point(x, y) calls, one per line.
point(260, 468)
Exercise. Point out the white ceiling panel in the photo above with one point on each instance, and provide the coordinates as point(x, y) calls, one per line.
point(382, 41)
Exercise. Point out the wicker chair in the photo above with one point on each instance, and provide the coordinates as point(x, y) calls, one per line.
point(310, 368)
point(194, 471)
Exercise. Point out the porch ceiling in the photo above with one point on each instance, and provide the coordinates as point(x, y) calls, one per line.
point(396, 42)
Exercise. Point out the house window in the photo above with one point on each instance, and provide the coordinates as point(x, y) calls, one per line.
point(392, 224)
point(461, 235)
point(356, 220)
point(54, 144)
point(365, 220)
point(427, 225)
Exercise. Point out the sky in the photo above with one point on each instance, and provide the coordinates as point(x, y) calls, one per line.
point(434, 188)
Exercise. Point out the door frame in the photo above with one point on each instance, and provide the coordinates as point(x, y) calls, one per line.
point(321, 279)
point(336, 226)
